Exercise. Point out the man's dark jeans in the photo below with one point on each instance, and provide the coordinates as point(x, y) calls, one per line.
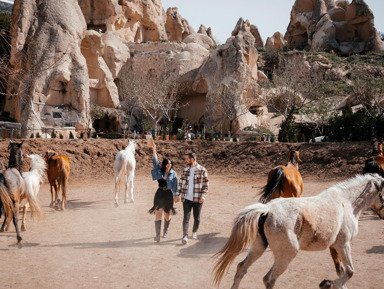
point(187, 206)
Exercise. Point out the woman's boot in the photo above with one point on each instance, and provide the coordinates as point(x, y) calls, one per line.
point(166, 225)
point(157, 228)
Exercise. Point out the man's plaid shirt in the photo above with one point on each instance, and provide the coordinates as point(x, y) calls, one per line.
point(200, 183)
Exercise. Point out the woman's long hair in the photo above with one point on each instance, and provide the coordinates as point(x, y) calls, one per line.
point(164, 164)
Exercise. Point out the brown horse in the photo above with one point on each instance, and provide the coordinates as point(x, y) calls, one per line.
point(284, 181)
point(12, 187)
point(375, 164)
point(58, 175)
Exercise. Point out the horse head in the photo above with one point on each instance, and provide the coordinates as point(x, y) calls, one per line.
point(131, 146)
point(16, 155)
point(48, 155)
point(378, 204)
point(294, 154)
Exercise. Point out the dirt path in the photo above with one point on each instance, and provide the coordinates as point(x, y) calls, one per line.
point(94, 245)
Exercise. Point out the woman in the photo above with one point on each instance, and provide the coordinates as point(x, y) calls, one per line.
point(163, 201)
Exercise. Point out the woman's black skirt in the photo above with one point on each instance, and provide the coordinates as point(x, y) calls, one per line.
point(163, 200)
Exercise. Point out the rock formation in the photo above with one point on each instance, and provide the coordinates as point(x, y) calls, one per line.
point(276, 42)
point(326, 25)
point(46, 37)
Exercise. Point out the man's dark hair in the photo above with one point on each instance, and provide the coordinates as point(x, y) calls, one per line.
point(191, 155)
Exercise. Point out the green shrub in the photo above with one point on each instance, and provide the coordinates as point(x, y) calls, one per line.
point(61, 136)
point(31, 136)
point(38, 135)
point(53, 134)
point(71, 135)
point(81, 135)
point(273, 139)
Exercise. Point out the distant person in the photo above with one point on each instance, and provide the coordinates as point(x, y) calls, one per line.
point(163, 200)
point(193, 188)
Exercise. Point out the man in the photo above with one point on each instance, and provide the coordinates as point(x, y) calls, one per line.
point(193, 188)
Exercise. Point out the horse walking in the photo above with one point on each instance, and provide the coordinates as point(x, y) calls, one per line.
point(58, 175)
point(32, 179)
point(12, 187)
point(284, 181)
point(288, 225)
point(124, 167)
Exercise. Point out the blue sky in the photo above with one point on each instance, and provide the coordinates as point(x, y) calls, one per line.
point(269, 16)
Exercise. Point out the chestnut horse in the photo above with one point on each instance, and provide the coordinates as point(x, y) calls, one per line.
point(288, 225)
point(12, 187)
point(375, 164)
point(58, 175)
point(284, 181)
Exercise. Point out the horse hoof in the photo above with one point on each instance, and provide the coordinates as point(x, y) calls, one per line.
point(116, 205)
point(125, 202)
point(325, 284)
point(23, 228)
point(131, 201)
point(19, 245)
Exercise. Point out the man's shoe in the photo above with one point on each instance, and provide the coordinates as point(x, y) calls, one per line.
point(184, 240)
point(194, 235)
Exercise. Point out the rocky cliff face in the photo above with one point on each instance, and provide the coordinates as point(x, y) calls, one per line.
point(46, 38)
point(327, 25)
point(70, 54)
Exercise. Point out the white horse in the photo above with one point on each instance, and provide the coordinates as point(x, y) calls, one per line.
point(124, 167)
point(287, 225)
point(32, 179)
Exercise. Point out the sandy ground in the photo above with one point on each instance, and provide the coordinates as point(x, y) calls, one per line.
point(95, 245)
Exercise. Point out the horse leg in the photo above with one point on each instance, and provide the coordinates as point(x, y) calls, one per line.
point(131, 185)
point(346, 259)
point(51, 204)
point(126, 188)
point(63, 195)
point(55, 186)
point(116, 191)
point(283, 257)
point(255, 252)
point(16, 224)
point(25, 210)
point(3, 225)
point(336, 261)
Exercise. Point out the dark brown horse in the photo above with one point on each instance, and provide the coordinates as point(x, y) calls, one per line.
point(12, 186)
point(58, 175)
point(284, 181)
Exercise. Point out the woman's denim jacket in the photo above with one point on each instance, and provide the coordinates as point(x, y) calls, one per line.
point(158, 174)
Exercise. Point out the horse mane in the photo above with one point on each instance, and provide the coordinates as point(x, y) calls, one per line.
point(358, 179)
point(293, 157)
point(16, 156)
point(37, 164)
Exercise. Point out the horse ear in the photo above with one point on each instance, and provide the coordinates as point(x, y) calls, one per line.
point(20, 144)
point(10, 141)
point(298, 148)
point(289, 147)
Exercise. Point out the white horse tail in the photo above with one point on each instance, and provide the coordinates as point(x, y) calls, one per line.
point(32, 200)
point(247, 228)
point(6, 199)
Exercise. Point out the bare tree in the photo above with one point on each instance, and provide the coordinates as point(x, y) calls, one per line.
point(368, 88)
point(291, 88)
point(232, 103)
point(320, 111)
point(130, 91)
point(156, 95)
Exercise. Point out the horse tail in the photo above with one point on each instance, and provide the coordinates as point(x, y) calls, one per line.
point(272, 185)
point(120, 167)
point(32, 199)
point(248, 226)
point(6, 199)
